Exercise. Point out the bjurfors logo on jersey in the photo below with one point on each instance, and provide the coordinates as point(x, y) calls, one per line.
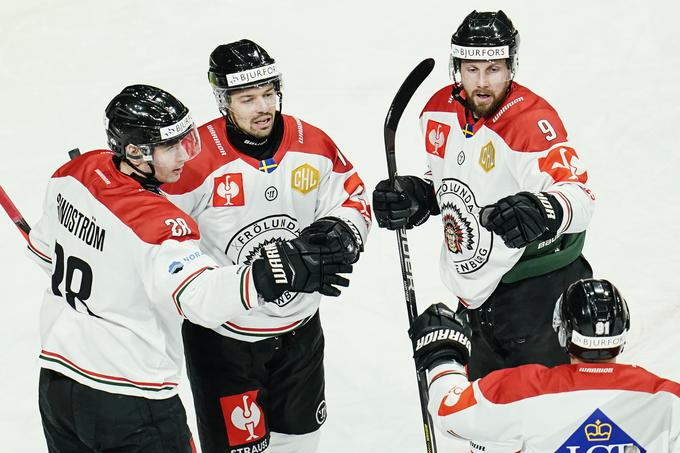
point(468, 242)
point(480, 53)
point(228, 190)
point(598, 434)
point(247, 243)
point(563, 165)
point(436, 135)
point(251, 75)
point(245, 422)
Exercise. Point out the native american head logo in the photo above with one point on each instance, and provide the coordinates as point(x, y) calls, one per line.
point(458, 232)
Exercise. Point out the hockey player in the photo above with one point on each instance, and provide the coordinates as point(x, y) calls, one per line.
point(126, 270)
point(263, 179)
point(511, 193)
point(591, 405)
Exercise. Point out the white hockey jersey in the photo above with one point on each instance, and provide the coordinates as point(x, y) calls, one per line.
point(577, 408)
point(241, 204)
point(126, 270)
point(523, 147)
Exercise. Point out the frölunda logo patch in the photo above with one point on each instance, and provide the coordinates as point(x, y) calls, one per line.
point(600, 434)
point(468, 242)
point(247, 242)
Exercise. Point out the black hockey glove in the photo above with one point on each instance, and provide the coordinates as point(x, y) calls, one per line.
point(438, 337)
point(406, 204)
point(299, 265)
point(522, 218)
point(336, 234)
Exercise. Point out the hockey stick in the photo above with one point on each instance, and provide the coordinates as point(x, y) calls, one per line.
point(401, 99)
point(14, 213)
point(75, 152)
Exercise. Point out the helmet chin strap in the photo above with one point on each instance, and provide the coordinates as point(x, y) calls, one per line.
point(146, 179)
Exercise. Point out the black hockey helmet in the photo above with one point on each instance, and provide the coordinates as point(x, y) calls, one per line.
point(485, 36)
point(146, 116)
point(591, 319)
point(238, 65)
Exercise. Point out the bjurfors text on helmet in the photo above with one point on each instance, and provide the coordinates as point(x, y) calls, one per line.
point(250, 76)
point(587, 342)
point(177, 129)
point(480, 53)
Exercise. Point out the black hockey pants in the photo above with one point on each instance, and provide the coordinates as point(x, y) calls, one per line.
point(514, 326)
point(77, 418)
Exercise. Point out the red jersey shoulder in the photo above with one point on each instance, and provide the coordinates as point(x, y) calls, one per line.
point(89, 168)
point(527, 122)
point(215, 152)
point(307, 138)
point(442, 101)
point(152, 217)
point(528, 381)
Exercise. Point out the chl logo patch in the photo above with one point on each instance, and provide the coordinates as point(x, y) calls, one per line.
point(468, 242)
point(599, 434)
point(563, 164)
point(228, 190)
point(487, 157)
point(305, 178)
point(244, 421)
point(436, 136)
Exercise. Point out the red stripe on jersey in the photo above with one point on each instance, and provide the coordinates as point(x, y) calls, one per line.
point(35, 250)
point(263, 329)
point(152, 217)
point(105, 376)
point(528, 381)
point(182, 286)
point(465, 400)
point(246, 290)
point(569, 209)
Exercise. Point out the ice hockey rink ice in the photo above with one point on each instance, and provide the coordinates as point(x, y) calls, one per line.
point(610, 68)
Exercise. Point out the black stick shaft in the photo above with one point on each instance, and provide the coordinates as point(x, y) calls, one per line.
point(406, 91)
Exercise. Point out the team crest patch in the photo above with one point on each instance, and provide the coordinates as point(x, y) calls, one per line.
point(245, 422)
point(599, 433)
point(563, 165)
point(247, 243)
point(469, 244)
point(305, 178)
point(487, 157)
point(436, 136)
point(228, 190)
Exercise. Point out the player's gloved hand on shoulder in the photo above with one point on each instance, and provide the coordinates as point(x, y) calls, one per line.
point(439, 336)
point(523, 218)
point(407, 203)
point(300, 265)
point(337, 235)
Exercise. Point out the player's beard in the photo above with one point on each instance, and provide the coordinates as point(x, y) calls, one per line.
point(484, 110)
